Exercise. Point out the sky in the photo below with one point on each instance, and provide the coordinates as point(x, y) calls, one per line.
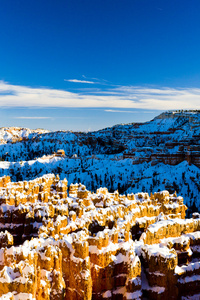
point(84, 65)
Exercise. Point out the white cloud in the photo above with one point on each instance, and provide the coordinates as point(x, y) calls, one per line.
point(33, 118)
point(79, 81)
point(120, 111)
point(120, 97)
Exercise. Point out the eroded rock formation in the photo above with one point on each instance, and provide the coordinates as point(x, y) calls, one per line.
point(73, 244)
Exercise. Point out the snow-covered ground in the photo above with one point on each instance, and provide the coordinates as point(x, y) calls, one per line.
point(97, 158)
point(115, 174)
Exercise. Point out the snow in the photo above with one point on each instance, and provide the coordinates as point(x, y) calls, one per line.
point(191, 267)
point(158, 289)
point(120, 258)
point(23, 296)
point(93, 167)
point(189, 279)
point(85, 274)
point(26, 161)
point(183, 240)
point(134, 295)
point(8, 296)
point(153, 228)
point(120, 171)
point(145, 285)
point(7, 275)
point(159, 250)
point(194, 235)
point(107, 294)
point(191, 297)
point(111, 247)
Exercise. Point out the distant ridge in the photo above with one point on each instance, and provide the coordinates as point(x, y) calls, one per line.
point(163, 153)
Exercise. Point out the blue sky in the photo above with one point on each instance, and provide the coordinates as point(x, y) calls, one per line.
point(89, 64)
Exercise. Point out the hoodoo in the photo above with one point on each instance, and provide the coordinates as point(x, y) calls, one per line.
point(59, 244)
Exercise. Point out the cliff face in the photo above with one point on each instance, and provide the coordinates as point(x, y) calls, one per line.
point(59, 243)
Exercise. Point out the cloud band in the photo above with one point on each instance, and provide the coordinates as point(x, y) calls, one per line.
point(121, 97)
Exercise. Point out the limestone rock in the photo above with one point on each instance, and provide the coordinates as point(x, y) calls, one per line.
point(58, 244)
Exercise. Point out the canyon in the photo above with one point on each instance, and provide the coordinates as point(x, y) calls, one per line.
point(162, 154)
point(65, 242)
